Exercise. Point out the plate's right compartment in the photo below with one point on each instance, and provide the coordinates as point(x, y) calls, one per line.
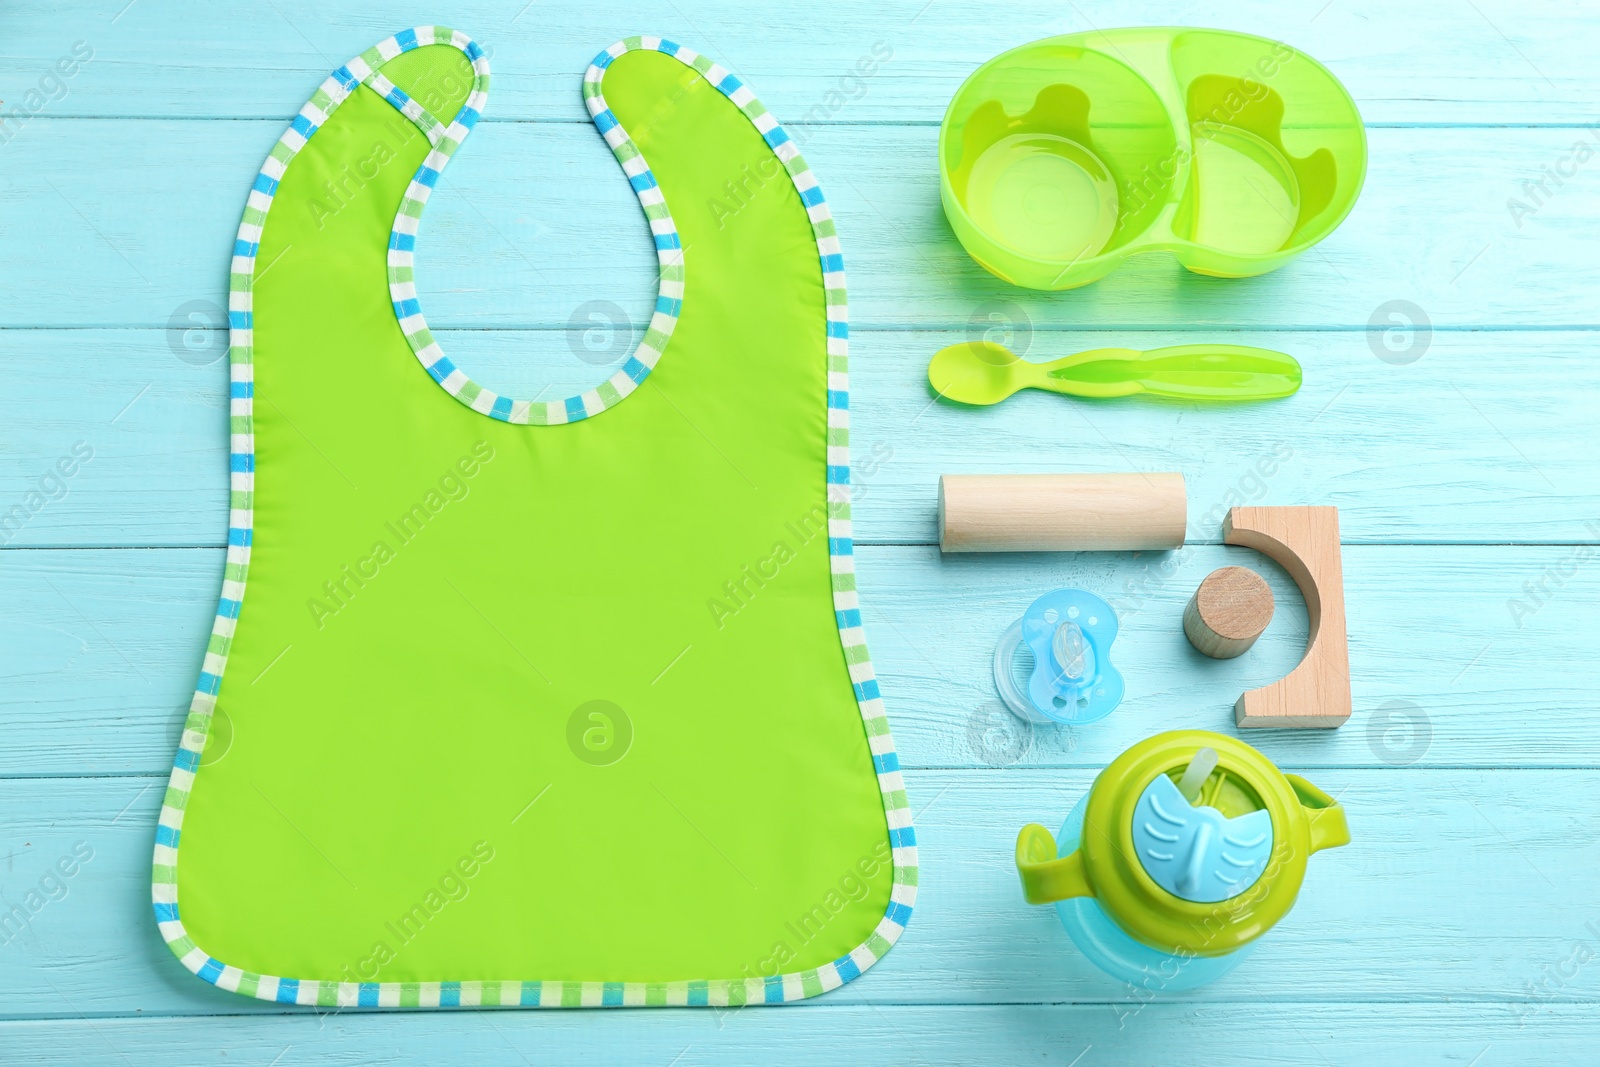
point(1278, 152)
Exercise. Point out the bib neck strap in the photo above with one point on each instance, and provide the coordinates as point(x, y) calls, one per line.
point(445, 139)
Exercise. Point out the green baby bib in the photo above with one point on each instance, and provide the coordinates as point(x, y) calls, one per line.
point(536, 702)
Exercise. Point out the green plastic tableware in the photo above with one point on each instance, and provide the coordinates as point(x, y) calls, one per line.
point(982, 372)
point(1060, 159)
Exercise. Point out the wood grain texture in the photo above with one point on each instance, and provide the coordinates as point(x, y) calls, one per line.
point(101, 650)
point(1447, 336)
point(1479, 440)
point(1350, 938)
point(1228, 612)
point(533, 220)
point(1497, 61)
point(1116, 512)
point(1305, 542)
point(1252, 1033)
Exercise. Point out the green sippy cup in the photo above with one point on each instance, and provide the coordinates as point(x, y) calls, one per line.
point(1186, 850)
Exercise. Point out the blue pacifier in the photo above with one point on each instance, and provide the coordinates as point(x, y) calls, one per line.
point(1069, 632)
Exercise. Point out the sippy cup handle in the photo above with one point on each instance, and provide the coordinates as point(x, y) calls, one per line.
point(1047, 878)
point(1329, 828)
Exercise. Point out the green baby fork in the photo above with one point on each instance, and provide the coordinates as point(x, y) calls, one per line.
point(982, 372)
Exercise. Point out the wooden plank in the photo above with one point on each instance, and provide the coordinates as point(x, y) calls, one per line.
point(513, 239)
point(1154, 1035)
point(1454, 661)
point(1431, 631)
point(1469, 443)
point(1459, 885)
point(1494, 61)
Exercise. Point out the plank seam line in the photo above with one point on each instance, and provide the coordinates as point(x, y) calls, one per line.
point(860, 543)
point(914, 328)
point(872, 124)
point(1039, 770)
point(841, 1004)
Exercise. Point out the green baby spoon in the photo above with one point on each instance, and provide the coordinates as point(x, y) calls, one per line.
point(982, 372)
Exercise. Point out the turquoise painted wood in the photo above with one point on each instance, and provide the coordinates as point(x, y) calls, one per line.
point(1490, 425)
point(527, 227)
point(1426, 63)
point(1252, 1034)
point(1447, 671)
point(1463, 924)
point(1455, 890)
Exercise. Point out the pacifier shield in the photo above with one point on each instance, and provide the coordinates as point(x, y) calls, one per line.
point(1069, 632)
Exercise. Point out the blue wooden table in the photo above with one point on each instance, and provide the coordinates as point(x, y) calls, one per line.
point(1449, 411)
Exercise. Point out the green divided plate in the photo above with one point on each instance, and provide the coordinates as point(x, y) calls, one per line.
point(1060, 159)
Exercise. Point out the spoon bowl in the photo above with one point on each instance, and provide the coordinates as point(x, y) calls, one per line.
point(976, 372)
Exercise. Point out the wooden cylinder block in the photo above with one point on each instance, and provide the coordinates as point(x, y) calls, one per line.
point(1228, 612)
point(1061, 512)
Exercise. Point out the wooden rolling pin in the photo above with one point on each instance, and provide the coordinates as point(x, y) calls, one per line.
point(1061, 512)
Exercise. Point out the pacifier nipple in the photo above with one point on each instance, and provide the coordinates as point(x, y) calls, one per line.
point(1071, 653)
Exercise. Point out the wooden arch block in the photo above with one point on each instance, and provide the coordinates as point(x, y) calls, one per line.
point(1305, 542)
